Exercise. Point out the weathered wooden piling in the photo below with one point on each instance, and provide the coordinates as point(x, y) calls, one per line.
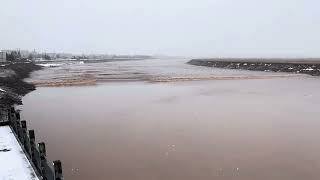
point(58, 170)
point(18, 130)
point(34, 153)
point(43, 160)
point(26, 139)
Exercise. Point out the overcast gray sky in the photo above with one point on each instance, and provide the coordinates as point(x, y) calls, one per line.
point(267, 28)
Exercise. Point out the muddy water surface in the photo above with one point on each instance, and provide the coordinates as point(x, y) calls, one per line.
point(245, 129)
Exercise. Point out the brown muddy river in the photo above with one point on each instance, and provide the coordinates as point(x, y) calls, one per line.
point(257, 125)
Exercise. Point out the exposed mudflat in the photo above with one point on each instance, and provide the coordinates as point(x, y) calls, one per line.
point(79, 73)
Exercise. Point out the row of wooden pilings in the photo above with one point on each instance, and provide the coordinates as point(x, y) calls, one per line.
point(36, 153)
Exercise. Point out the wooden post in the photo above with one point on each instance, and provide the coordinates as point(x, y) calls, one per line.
point(26, 140)
point(13, 120)
point(23, 132)
point(32, 139)
point(34, 152)
point(17, 115)
point(43, 160)
point(4, 116)
point(58, 170)
point(18, 130)
point(8, 114)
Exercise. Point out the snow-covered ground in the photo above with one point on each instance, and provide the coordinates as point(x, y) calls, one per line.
point(50, 65)
point(1, 90)
point(14, 165)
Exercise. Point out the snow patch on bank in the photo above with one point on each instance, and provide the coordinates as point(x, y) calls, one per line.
point(59, 64)
point(309, 69)
point(50, 65)
point(13, 162)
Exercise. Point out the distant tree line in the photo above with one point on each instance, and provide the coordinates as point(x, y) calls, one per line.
point(46, 57)
point(14, 56)
point(80, 57)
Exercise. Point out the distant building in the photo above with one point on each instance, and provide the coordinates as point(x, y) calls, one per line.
point(3, 56)
point(24, 53)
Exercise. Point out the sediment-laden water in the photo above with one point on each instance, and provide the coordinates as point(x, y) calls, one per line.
point(73, 73)
point(177, 121)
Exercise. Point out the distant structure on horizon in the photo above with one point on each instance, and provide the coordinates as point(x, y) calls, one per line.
point(3, 56)
point(10, 55)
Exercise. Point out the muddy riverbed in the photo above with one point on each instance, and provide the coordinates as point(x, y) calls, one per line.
point(176, 121)
point(80, 73)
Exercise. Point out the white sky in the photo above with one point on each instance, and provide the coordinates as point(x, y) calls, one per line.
point(268, 28)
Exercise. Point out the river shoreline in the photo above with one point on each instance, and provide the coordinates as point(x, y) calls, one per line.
point(12, 84)
point(304, 66)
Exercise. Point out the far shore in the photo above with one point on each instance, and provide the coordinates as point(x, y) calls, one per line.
point(309, 66)
point(265, 60)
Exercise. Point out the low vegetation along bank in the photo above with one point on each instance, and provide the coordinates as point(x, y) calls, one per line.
point(12, 86)
point(311, 67)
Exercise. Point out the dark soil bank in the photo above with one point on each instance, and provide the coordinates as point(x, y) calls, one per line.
point(13, 85)
point(294, 66)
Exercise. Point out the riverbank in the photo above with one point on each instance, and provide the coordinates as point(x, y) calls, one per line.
point(304, 66)
point(12, 86)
